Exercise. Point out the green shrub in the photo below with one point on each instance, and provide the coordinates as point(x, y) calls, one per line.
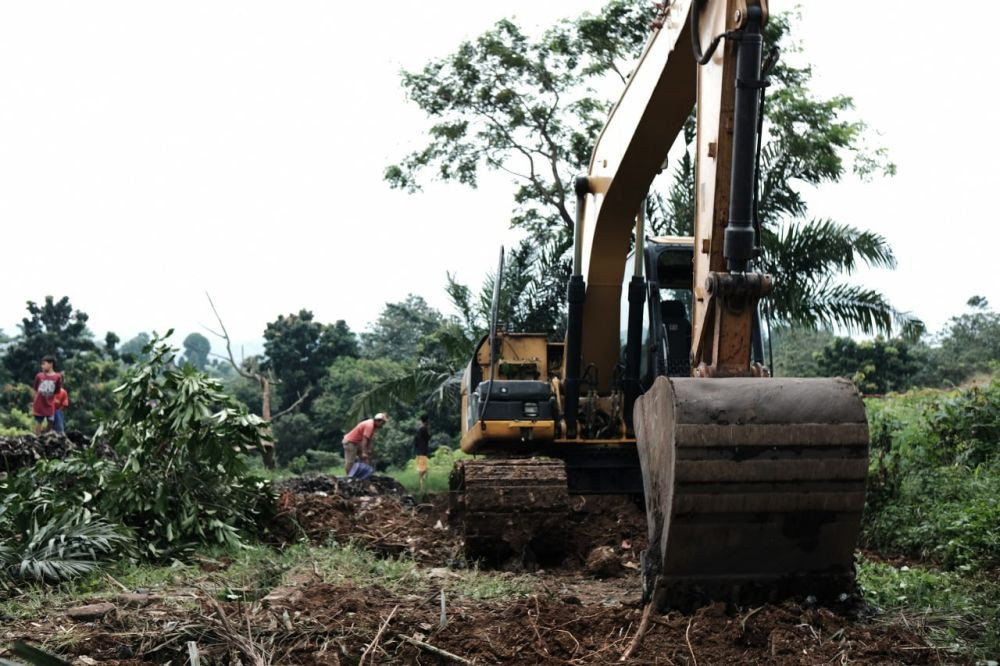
point(934, 482)
point(181, 480)
point(16, 422)
point(320, 460)
point(298, 464)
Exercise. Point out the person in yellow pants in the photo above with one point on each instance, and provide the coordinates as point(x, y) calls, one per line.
point(421, 447)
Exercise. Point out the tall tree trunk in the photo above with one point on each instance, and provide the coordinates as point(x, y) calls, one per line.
point(265, 413)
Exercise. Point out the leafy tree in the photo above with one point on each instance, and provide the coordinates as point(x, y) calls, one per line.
point(90, 371)
point(111, 341)
point(196, 350)
point(509, 103)
point(970, 343)
point(532, 292)
point(393, 446)
point(298, 350)
point(530, 300)
point(345, 378)
point(528, 107)
point(4, 373)
point(796, 350)
point(53, 327)
point(293, 436)
point(90, 379)
point(397, 332)
point(808, 141)
point(131, 350)
point(875, 366)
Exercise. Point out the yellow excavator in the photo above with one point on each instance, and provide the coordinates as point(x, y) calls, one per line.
point(753, 485)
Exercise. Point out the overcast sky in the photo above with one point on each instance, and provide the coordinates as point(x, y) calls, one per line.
point(150, 152)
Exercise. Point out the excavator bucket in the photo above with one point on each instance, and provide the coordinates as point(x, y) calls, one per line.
point(754, 488)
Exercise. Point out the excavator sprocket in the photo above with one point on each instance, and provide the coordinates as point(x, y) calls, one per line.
point(754, 488)
point(510, 509)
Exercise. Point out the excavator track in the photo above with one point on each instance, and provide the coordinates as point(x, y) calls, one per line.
point(510, 509)
point(754, 488)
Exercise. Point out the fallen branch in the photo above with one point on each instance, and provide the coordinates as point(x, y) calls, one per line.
point(687, 639)
point(743, 622)
point(637, 639)
point(436, 650)
point(534, 625)
point(114, 581)
point(374, 644)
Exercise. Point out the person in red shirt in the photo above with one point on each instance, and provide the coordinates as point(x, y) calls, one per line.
point(48, 383)
point(357, 443)
point(62, 402)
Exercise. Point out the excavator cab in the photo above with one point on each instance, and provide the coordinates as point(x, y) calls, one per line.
point(669, 267)
point(666, 341)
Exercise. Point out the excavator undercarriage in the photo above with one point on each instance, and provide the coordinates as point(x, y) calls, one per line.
point(511, 510)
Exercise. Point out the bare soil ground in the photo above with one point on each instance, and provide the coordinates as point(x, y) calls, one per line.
point(556, 616)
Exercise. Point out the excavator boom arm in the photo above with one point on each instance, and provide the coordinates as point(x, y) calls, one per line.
point(659, 97)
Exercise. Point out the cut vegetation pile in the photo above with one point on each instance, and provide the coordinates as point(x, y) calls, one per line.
point(22, 451)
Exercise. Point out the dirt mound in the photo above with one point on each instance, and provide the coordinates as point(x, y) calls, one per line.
point(313, 482)
point(23, 451)
point(384, 523)
point(615, 521)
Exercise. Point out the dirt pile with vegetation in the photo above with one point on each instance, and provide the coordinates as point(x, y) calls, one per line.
point(343, 486)
point(376, 513)
point(21, 451)
point(378, 590)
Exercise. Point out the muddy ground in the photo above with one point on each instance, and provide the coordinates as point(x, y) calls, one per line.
point(562, 615)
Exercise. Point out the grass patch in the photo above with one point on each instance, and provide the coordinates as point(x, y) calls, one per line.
point(483, 585)
point(350, 563)
point(955, 611)
point(251, 572)
point(353, 564)
point(438, 468)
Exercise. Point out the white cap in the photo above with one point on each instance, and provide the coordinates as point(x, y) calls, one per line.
point(381, 417)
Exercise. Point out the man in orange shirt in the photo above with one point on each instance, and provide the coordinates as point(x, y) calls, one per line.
point(357, 443)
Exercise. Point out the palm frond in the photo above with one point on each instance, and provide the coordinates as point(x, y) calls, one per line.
point(823, 247)
point(430, 383)
point(825, 303)
point(64, 547)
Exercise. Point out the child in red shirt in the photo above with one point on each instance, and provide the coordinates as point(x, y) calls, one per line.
point(61, 403)
point(48, 383)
